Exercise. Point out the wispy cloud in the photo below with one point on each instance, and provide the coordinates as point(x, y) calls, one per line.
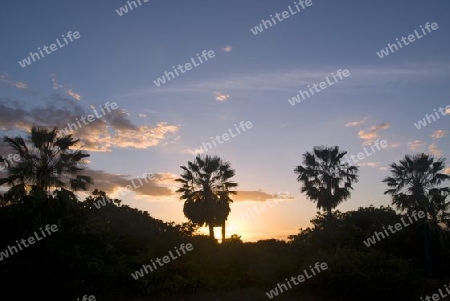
point(221, 96)
point(369, 135)
point(227, 48)
point(73, 94)
point(376, 165)
point(54, 82)
point(67, 90)
point(394, 145)
point(196, 151)
point(438, 134)
point(21, 85)
point(355, 123)
point(292, 80)
point(416, 145)
point(433, 149)
point(259, 196)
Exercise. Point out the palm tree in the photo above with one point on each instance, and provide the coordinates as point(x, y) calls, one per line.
point(326, 179)
point(206, 187)
point(47, 164)
point(414, 185)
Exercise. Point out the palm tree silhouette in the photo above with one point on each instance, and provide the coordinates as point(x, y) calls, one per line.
point(45, 159)
point(326, 179)
point(414, 185)
point(206, 189)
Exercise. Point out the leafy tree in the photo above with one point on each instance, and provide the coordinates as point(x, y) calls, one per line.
point(326, 179)
point(234, 239)
point(206, 188)
point(47, 163)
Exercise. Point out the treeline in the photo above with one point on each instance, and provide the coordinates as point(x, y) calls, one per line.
point(96, 250)
point(370, 253)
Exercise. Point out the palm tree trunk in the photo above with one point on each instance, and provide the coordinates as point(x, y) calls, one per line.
point(211, 231)
point(328, 218)
point(223, 232)
point(428, 258)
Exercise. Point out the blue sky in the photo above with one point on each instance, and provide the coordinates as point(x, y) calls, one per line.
point(251, 78)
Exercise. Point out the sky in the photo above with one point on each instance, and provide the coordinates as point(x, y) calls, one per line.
point(115, 56)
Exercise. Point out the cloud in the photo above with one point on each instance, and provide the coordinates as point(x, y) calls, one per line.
point(221, 96)
point(433, 149)
point(290, 80)
point(54, 82)
point(114, 129)
point(20, 85)
point(355, 123)
point(113, 183)
point(158, 113)
point(73, 94)
point(438, 134)
point(394, 145)
point(370, 164)
point(416, 145)
point(227, 48)
point(68, 91)
point(373, 165)
point(142, 115)
point(259, 196)
point(12, 114)
point(142, 137)
point(197, 151)
point(372, 133)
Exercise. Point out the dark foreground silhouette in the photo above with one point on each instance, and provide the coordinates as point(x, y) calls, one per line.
point(95, 251)
point(57, 247)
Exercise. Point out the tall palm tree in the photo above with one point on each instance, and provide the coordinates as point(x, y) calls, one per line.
point(415, 185)
point(47, 164)
point(326, 179)
point(206, 188)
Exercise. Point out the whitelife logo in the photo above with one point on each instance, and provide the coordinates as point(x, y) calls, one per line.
point(318, 267)
point(145, 268)
point(361, 155)
point(71, 127)
point(423, 122)
point(243, 124)
point(411, 38)
point(124, 9)
point(27, 61)
point(31, 240)
point(8, 160)
point(162, 80)
point(86, 298)
point(437, 297)
point(284, 16)
point(322, 85)
point(104, 200)
point(379, 235)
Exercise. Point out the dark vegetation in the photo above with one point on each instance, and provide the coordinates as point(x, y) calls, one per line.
point(96, 250)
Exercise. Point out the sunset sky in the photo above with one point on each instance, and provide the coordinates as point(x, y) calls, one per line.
point(250, 79)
